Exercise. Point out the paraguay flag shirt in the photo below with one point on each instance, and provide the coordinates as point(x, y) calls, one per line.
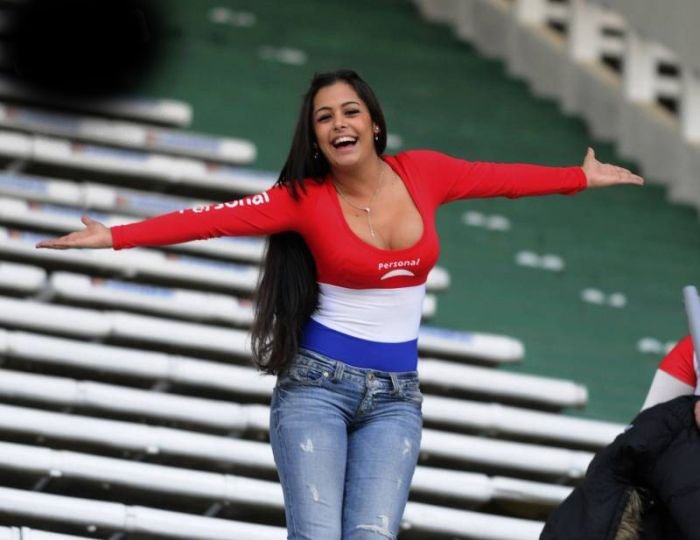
point(371, 299)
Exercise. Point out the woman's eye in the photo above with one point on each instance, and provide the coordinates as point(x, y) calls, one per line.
point(323, 118)
point(352, 112)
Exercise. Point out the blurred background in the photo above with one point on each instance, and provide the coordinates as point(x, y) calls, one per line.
point(130, 406)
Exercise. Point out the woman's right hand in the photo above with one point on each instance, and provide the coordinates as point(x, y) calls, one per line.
point(94, 235)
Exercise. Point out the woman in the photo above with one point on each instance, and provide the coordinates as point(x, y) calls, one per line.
point(339, 303)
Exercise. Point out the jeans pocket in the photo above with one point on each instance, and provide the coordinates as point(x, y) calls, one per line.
point(305, 375)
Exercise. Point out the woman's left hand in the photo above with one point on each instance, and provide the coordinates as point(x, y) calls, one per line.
point(603, 174)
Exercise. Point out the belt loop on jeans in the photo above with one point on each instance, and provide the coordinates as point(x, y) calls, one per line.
point(339, 370)
point(395, 383)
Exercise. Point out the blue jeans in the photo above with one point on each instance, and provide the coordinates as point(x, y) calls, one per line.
point(346, 442)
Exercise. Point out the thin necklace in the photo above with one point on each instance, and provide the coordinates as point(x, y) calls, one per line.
point(367, 210)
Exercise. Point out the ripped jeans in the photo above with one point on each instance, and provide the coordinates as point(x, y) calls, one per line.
point(346, 443)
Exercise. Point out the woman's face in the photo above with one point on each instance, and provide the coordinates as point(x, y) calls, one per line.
point(343, 127)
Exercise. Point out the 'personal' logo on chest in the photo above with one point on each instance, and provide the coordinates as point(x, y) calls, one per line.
point(398, 268)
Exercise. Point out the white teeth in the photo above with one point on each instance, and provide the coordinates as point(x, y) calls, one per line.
point(345, 139)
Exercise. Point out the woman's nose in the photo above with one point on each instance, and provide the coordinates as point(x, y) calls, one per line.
point(338, 121)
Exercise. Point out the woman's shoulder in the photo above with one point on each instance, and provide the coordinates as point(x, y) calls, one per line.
point(426, 161)
point(417, 155)
point(301, 198)
point(299, 189)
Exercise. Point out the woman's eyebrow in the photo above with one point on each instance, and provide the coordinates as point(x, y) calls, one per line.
point(342, 105)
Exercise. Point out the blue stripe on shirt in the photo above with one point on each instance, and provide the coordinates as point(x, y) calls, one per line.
point(358, 352)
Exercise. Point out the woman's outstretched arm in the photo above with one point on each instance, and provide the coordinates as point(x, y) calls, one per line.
point(452, 178)
point(255, 215)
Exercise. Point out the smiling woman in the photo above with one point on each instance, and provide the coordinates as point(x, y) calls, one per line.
point(352, 241)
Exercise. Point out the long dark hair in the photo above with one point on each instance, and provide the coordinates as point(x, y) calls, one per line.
point(287, 294)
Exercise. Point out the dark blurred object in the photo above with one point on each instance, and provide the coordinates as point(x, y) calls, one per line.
point(91, 48)
point(656, 458)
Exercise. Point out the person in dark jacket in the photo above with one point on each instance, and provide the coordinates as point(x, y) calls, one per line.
point(645, 485)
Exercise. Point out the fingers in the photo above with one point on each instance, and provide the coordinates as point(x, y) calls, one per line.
point(625, 176)
point(629, 178)
point(63, 242)
point(54, 243)
point(635, 179)
point(697, 413)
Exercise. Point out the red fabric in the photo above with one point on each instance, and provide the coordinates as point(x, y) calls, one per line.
point(341, 257)
point(680, 362)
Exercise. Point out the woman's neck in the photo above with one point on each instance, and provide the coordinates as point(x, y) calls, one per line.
point(360, 181)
